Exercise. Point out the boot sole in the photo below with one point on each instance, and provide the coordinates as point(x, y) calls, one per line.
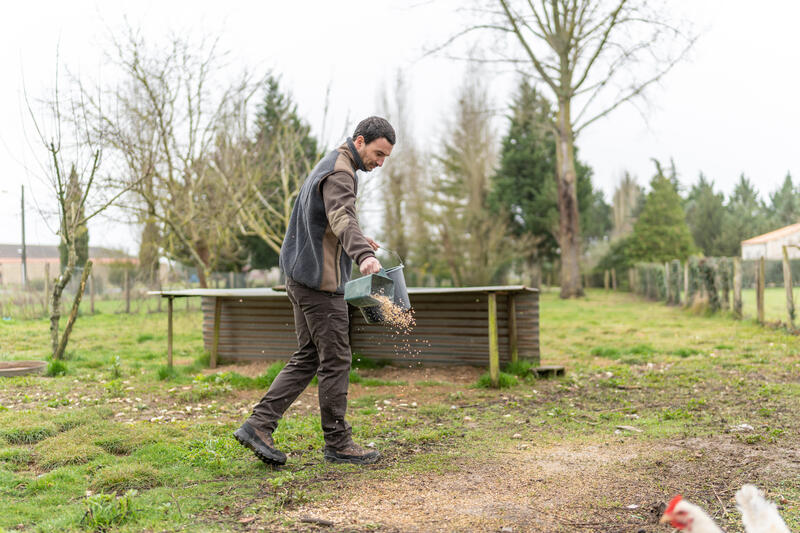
point(264, 458)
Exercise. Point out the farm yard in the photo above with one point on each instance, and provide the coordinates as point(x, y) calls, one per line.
point(656, 401)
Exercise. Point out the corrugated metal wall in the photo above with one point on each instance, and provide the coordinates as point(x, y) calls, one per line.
point(452, 328)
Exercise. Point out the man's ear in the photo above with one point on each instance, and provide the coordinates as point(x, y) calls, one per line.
point(359, 141)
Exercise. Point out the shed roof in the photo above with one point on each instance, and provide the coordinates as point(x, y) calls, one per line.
point(271, 293)
point(50, 251)
point(772, 235)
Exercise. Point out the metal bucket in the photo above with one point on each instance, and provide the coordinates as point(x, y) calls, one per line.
point(359, 292)
point(400, 291)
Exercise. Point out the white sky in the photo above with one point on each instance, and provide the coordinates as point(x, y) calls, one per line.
point(730, 108)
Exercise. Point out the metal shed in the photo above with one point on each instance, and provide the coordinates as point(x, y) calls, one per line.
point(453, 325)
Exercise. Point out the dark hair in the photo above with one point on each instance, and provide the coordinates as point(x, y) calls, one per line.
point(374, 128)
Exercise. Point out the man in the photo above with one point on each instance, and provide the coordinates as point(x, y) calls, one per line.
point(321, 242)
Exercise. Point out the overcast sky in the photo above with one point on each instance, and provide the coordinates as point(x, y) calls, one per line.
point(731, 107)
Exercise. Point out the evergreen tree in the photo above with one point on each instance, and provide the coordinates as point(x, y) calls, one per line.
point(277, 119)
point(660, 233)
point(705, 211)
point(745, 217)
point(524, 185)
point(785, 204)
point(73, 201)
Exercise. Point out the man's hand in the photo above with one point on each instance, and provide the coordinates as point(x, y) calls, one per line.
point(370, 265)
point(372, 243)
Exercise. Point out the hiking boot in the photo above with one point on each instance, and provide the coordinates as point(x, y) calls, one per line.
point(261, 443)
point(353, 454)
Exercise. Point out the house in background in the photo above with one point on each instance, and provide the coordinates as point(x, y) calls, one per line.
point(37, 256)
point(770, 245)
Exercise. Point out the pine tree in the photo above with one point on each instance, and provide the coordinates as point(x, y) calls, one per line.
point(705, 211)
point(660, 233)
point(785, 204)
point(524, 185)
point(745, 217)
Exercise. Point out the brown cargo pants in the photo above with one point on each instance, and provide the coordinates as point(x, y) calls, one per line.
point(322, 323)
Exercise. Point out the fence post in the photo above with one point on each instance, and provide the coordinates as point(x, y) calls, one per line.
point(760, 290)
point(787, 282)
point(686, 282)
point(614, 278)
point(127, 291)
point(91, 292)
point(494, 351)
point(46, 286)
point(737, 287)
point(606, 277)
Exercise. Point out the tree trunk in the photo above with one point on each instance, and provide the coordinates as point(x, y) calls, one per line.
point(76, 303)
point(55, 307)
point(569, 222)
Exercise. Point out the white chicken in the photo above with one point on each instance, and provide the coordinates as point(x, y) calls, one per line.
point(685, 516)
point(759, 515)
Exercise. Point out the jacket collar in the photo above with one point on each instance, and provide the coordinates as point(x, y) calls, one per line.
point(354, 153)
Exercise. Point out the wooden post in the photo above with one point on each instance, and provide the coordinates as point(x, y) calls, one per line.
point(212, 362)
point(787, 283)
point(614, 278)
point(512, 328)
point(231, 279)
point(667, 288)
point(606, 280)
point(127, 291)
point(737, 287)
point(91, 292)
point(46, 286)
point(760, 290)
point(686, 283)
point(169, 330)
point(494, 351)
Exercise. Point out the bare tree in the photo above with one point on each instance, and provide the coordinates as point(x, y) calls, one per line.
point(627, 197)
point(162, 123)
point(474, 242)
point(71, 171)
point(263, 171)
point(594, 55)
point(405, 188)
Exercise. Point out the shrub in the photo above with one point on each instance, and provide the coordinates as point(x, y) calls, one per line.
point(166, 373)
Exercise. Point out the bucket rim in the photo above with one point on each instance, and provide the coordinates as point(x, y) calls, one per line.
point(396, 267)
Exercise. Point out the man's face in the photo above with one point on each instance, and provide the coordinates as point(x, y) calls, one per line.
point(373, 154)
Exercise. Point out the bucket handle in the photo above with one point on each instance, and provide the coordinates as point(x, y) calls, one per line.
point(399, 259)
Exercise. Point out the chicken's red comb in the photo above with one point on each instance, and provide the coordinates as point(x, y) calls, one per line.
point(672, 503)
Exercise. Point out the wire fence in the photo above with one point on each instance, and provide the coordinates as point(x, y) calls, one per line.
point(119, 295)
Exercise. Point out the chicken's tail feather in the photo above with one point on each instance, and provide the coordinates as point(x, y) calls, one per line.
point(758, 514)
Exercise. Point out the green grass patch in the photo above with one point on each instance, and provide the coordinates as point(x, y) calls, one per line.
point(686, 352)
point(56, 368)
point(122, 477)
point(505, 381)
point(105, 511)
point(605, 351)
point(144, 337)
point(519, 368)
point(68, 448)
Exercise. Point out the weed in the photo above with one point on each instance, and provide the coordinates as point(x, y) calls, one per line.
point(519, 368)
point(675, 414)
point(56, 368)
point(103, 511)
point(115, 388)
point(375, 382)
point(166, 373)
point(115, 367)
point(504, 381)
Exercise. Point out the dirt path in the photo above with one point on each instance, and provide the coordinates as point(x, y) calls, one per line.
point(606, 487)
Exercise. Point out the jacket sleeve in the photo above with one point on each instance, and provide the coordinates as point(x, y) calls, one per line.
point(339, 196)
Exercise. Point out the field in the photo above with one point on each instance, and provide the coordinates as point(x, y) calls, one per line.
point(656, 401)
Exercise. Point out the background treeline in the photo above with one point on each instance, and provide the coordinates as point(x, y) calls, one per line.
point(208, 162)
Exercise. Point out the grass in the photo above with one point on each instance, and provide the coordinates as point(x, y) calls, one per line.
point(120, 442)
